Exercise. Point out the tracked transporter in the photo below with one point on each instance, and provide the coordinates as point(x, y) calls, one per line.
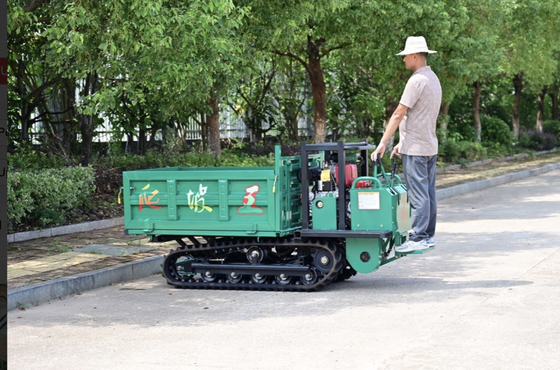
point(310, 220)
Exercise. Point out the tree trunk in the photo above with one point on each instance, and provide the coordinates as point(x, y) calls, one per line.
point(291, 108)
point(554, 97)
point(87, 136)
point(153, 134)
point(24, 133)
point(213, 125)
point(363, 128)
point(129, 142)
point(69, 137)
point(254, 121)
point(518, 85)
point(86, 121)
point(31, 92)
point(25, 111)
point(318, 90)
point(203, 132)
point(293, 130)
point(540, 109)
point(389, 110)
point(443, 119)
point(477, 89)
point(142, 141)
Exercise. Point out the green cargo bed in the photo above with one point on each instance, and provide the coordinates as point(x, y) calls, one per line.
point(189, 201)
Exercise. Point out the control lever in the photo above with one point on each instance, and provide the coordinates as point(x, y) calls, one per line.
point(393, 169)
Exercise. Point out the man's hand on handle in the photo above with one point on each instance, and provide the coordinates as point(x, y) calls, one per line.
point(380, 150)
point(392, 126)
point(396, 151)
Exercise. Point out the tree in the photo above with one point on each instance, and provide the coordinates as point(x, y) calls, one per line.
point(308, 32)
point(553, 93)
point(471, 53)
point(442, 23)
point(152, 64)
point(290, 93)
point(356, 103)
point(176, 50)
point(540, 109)
point(530, 35)
point(31, 81)
point(252, 100)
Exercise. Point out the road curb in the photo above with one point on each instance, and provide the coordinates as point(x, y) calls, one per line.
point(64, 230)
point(36, 294)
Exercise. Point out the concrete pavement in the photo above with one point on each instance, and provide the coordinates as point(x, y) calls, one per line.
point(486, 298)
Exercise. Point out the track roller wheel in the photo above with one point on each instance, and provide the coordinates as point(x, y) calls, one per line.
point(209, 277)
point(283, 279)
point(258, 278)
point(256, 255)
point(309, 278)
point(234, 277)
point(323, 261)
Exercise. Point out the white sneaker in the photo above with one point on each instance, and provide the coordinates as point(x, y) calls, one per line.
point(411, 246)
point(431, 241)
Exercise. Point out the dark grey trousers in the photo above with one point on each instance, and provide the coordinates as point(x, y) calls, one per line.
point(420, 179)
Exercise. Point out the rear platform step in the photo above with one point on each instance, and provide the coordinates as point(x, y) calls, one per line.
point(415, 252)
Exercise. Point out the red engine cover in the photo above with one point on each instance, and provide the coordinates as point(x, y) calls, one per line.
point(351, 173)
point(363, 184)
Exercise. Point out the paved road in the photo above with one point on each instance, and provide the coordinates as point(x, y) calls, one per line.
point(486, 298)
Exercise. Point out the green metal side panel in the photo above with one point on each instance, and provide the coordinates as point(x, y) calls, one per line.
point(324, 213)
point(404, 212)
point(364, 255)
point(190, 201)
point(241, 201)
point(380, 209)
point(288, 188)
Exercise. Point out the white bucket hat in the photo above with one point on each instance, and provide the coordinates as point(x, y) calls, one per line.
point(416, 44)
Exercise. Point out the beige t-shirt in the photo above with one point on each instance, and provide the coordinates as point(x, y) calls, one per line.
point(422, 96)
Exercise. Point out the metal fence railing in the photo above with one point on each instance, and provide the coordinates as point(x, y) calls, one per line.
point(231, 127)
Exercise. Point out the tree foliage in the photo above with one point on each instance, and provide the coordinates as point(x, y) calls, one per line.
point(149, 66)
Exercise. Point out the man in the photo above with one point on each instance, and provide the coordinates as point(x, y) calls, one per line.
point(416, 117)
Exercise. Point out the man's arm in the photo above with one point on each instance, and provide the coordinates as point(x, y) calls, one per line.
point(394, 123)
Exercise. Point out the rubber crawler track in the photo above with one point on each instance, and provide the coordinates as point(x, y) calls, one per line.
point(232, 245)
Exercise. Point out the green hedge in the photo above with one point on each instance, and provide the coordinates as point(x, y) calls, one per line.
point(154, 159)
point(495, 130)
point(537, 141)
point(552, 127)
point(42, 197)
point(461, 151)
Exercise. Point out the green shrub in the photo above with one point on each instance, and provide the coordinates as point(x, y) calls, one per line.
point(524, 140)
point(154, 159)
point(460, 151)
point(43, 197)
point(495, 130)
point(538, 141)
point(471, 151)
point(552, 127)
point(29, 158)
point(463, 129)
point(19, 200)
point(449, 151)
point(495, 150)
